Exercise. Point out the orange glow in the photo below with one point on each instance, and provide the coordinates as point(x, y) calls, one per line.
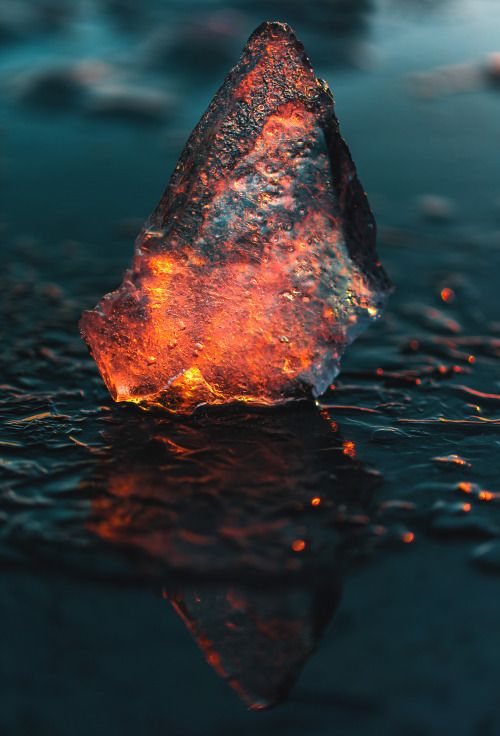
point(408, 537)
point(349, 448)
point(466, 507)
point(447, 295)
point(316, 501)
point(486, 496)
point(471, 359)
point(258, 267)
point(298, 545)
point(465, 487)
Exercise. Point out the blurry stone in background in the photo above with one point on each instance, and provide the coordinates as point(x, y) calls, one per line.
point(457, 78)
point(58, 86)
point(130, 103)
point(435, 208)
point(492, 69)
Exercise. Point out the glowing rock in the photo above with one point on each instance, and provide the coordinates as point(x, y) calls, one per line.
point(258, 266)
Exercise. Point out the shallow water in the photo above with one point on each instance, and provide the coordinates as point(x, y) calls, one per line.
point(256, 526)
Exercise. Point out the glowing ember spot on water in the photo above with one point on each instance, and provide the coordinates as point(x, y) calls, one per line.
point(486, 496)
point(316, 501)
point(408, 537)
point(452, 460)
point(298, 545)
point(447, 295)
point(258, 267)
point(349, 448)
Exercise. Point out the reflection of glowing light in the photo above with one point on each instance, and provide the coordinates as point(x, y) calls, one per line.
point(447, 295)
point(486, 496)
point(408, 537)
point(315, 501)
point(298, 545)
point(349, 448)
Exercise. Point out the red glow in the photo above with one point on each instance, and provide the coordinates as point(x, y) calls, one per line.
point(349, 448)
point(447, 295)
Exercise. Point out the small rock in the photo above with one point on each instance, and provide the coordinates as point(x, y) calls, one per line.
point(51, 87)
point(129, 103)
point(436, 208)
point(492, 68)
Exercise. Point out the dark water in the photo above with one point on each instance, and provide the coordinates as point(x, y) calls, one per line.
point(378, 512)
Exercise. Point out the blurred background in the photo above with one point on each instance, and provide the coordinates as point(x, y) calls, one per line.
point(97, 100)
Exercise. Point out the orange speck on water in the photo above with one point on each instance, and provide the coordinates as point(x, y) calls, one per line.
point(471, 359)
point(465, 487)
point(298, 545)
point(447, 294)
point(213, 659)
point(486, 496)
point(349, 448)
point(315, 501)
point(408, 537)
point(466, 507)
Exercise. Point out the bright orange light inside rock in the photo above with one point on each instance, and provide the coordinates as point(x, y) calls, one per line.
point(258, 266)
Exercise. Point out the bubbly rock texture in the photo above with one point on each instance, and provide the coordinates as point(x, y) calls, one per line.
point(258, 266)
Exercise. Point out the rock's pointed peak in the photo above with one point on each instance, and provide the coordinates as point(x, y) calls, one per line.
point(273, 29)
point(269, 32)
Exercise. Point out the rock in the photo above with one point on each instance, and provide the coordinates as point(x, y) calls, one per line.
point(130, 103)
point(58, 87)
point(436, 208)
point(258, 267)
point(492, 69)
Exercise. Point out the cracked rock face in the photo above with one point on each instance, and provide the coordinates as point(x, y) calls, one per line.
point(258, 266)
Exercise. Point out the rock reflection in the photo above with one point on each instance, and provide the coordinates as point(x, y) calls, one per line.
point(247, 517)
point(257, 638)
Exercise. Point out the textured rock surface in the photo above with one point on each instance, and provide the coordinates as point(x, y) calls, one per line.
point(258, 266)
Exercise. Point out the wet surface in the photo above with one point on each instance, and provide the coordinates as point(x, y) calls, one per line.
point(378, 510)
